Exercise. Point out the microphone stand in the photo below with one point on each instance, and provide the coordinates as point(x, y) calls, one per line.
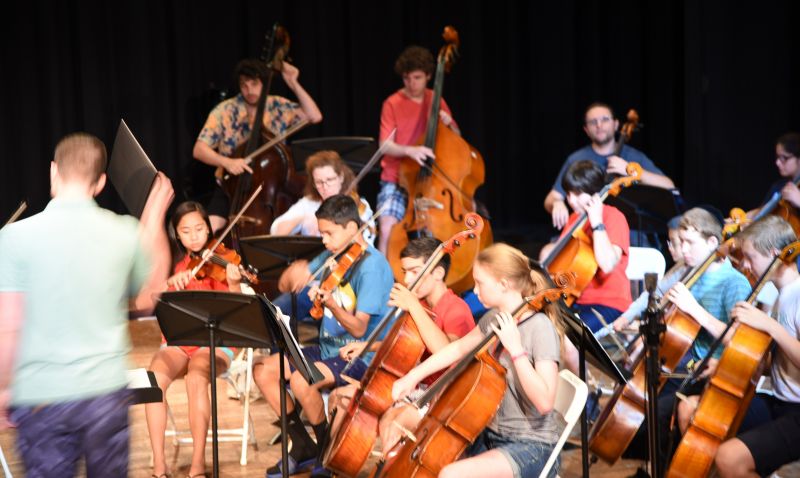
point(651, 329)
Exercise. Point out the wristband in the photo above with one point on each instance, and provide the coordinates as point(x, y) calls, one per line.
point(519, 355)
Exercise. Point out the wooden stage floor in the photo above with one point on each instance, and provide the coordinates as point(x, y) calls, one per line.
point(146, 338)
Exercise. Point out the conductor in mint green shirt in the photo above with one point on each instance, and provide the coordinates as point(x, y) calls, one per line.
point(66, 277)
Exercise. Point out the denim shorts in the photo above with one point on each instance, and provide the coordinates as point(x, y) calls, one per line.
point(526, 457)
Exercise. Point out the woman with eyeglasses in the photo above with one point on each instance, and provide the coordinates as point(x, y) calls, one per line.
point(787, 160)
point(327, 176)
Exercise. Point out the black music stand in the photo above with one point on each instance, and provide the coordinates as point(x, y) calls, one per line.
point(215, 319)
point(580, 335)
point(355, 151)
point(648, 208)
point(271, 255)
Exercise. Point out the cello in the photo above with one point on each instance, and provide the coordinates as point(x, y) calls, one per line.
point(730, 389)
point(399, 351)
point(626, 131)
point(462, 402)
point(441, 193)
point(573, 252)
point(268, 157)
point(626, 409)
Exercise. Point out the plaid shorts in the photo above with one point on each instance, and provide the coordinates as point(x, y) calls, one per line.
point(395, 197)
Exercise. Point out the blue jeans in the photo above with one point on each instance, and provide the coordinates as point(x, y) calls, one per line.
point(526, 457)
point(52, 438)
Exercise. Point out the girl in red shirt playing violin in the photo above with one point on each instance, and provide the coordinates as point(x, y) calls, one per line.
point(190, 229)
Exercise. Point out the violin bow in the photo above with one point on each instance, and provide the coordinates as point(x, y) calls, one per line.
point(22, 206)
point(371, 163)
point(277, 139)
point(233, 222)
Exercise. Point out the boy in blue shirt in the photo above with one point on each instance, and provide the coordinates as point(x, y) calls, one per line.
point(352, 310)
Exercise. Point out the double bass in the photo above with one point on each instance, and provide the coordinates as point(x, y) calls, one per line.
point(268, 157)
point(462, 402)
point(730, 388)
point(399, 352)
point(441, 193)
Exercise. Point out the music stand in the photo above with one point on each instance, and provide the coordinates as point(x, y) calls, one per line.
point(648, 208)
point(580, 335)
point(271, 255)
point(354, 150)
point(216, 319)
point(130, 170)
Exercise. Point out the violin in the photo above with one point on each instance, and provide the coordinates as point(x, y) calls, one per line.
point(216, 265)
point(730, 389)
point(343, 264)
point(466, 397)
point(574, 251)
point(400, 350)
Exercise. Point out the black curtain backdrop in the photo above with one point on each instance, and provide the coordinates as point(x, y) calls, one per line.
point(715, 82)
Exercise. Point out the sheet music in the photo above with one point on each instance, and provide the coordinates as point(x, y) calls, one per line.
point(295, 351)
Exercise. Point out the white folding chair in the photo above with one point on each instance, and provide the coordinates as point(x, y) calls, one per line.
point(642, 260)
point(570, 399)
point(246, 434)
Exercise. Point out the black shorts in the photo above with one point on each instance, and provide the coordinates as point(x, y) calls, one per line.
point(774, 443)
point(218, 203)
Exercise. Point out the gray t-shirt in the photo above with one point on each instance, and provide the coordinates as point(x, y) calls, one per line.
point(785, 375)
point(517, 417)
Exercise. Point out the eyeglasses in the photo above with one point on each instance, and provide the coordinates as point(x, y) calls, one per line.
point(785, 157)
point(598, 121)
point(327, 182)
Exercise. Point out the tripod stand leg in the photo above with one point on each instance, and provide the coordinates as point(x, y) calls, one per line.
point(214, 438)
point(284, 420)
point(584, 415)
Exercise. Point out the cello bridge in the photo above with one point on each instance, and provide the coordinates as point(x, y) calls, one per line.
point(423, 204)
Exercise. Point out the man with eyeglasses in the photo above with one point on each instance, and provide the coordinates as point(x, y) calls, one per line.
point(601, 125)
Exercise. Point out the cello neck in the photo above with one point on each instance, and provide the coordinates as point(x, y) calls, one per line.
point(459, 367)
point(762, 281)
point(564, 240)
